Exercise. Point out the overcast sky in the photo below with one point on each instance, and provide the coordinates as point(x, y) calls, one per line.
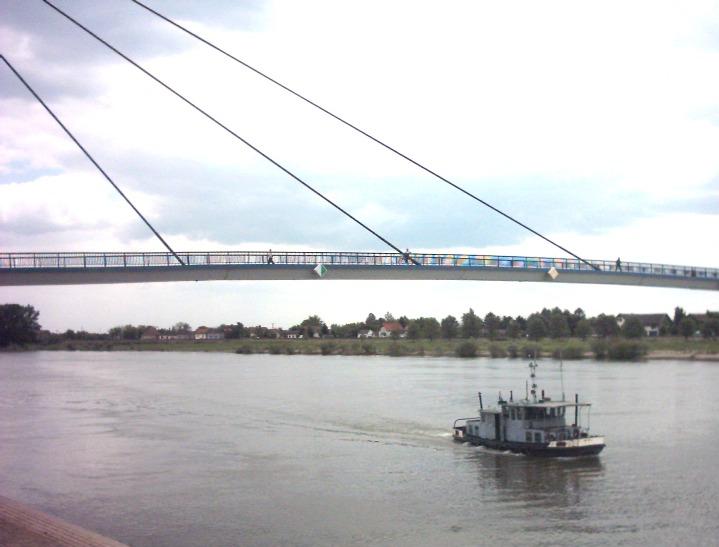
point(596, 123)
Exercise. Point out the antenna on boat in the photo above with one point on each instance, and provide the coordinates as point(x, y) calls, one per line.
point(561, 373)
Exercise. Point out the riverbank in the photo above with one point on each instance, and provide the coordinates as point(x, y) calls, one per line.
point(652, 348)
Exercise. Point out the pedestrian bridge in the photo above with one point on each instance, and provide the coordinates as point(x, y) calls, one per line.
point(91, 268)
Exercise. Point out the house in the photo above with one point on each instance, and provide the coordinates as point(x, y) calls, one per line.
point(174, 336)
point(215, 334)
point(652, 322)
point(701, 318)
point(365, 333)
point(709, 320)
point(204, 333)
point(390, 328)
point(293, 334)
point(150, 334)
point(257, 332)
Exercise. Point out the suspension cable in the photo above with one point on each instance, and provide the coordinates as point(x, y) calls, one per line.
point(115, 186)
point(230, 131)
point(352, 126)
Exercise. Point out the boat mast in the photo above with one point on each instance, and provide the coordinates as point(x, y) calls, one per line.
point(533, 376)
point(561, 373)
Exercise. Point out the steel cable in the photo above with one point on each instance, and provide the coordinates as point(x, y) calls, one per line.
point(89, 156)
point(366, 134)
point(230, 131)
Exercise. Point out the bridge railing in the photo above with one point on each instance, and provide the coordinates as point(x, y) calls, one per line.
point(66, 260)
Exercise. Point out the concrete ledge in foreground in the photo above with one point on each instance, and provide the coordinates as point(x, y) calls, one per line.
point(23, 526)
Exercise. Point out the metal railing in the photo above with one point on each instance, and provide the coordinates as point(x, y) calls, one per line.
point(64, 260)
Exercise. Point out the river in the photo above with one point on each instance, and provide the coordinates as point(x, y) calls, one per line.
point(186, 449)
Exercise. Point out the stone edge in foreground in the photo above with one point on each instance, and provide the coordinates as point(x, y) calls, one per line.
point(31, 525)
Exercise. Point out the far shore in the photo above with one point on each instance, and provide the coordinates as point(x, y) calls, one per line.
point(663, 348)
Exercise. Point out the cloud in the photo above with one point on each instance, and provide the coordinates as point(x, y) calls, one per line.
point(594, 124)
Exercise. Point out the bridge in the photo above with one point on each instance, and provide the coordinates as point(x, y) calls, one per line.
point(139, 267)
point(63, 268)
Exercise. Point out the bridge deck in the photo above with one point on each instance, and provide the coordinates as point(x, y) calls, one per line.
point(89, 268)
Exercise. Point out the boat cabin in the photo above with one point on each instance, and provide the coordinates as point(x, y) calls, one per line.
point(528, 422)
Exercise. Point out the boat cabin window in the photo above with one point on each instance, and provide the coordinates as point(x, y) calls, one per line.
point(551, 413)
point(531, 413)
point(528, 436)
point(512, 414)
point(537, 437)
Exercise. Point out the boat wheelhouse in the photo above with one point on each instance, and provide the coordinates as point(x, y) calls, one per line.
point(536, 426)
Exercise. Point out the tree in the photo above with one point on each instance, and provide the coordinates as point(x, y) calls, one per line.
point(558, 326)
point(574, 319)
point(514, 330)
point(491, 325)
point(234, 331)
point(678, 316)
point(430, 327)
point(313, 321)
point(424, 327)
point(131, 332)
point(450, 327)
point(389, 318)
point(633, 328)
point(536, 329)
point(583, 329)
point(18, 324)
point(710, 328)
point(666, 327)
point(414, 330)
point(404, 321)
point(372, 322)
point(350, 330)
point(606, 325)
point(687, 327)
point(471, 324)
point(181, 326)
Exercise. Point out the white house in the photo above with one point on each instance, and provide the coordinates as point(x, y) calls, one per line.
point(392, 327)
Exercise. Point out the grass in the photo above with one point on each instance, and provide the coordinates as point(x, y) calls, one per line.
point(570, 348)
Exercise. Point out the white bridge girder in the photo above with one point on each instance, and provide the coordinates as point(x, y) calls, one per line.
point(299, 272)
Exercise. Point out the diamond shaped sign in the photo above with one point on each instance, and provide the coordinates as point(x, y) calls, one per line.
point(320, 270)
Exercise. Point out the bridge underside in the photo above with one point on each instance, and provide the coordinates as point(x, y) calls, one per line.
point(276, 272)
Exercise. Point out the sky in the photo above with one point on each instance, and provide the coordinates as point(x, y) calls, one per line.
point(595, 123)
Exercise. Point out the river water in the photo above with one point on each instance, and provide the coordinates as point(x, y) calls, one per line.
point(180, 449)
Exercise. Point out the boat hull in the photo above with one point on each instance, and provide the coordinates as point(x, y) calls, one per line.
point(590, 446)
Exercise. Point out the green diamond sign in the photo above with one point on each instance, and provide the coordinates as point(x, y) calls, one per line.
point(320, 270)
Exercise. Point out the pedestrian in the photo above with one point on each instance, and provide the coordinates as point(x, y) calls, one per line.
point(619, 265)
point(406, 256)
point(270, 258)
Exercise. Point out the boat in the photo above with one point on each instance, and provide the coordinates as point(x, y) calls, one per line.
point(535, 425)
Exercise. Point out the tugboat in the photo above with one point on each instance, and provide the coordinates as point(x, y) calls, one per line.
point(535, 426)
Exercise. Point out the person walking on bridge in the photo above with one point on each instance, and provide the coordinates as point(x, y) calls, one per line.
point(270, 258)
point(619, 265)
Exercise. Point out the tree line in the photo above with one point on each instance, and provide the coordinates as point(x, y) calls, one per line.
point(19, 325)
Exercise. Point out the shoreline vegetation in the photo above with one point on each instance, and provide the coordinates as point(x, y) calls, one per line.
point(611, 349)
